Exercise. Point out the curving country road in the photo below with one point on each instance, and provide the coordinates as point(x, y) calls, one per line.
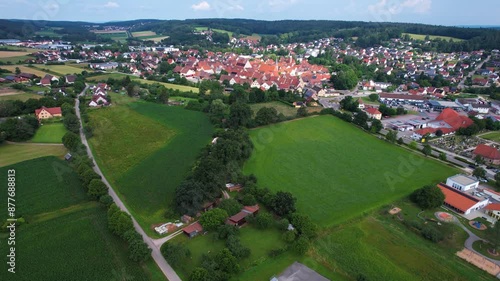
point(155, 250)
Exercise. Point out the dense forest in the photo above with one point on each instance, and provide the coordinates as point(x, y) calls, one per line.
point(272, 32)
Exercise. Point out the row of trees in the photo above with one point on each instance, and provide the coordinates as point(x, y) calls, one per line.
point(11, 108)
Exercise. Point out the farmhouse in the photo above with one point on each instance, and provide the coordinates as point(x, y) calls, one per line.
point(461, 202)
point(47, 113)
point(462, 182)
point(373, 113)
point(193, 229)
point(47, 80)
point(299, 272)
point(488, 153)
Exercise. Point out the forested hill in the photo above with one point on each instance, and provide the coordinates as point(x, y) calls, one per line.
point(368, 33)
point(272, 32)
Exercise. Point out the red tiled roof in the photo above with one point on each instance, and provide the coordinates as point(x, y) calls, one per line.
point(239, 216)
point(456, 198)
point(373, 111)
point(51, 110)
point(455, 120)
point(251, 209)
point(192, 228)
point(493, 207)
point(487, 152)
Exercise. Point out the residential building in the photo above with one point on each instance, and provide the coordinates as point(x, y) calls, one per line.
point(489, 153)
point(48, 112)
point(372, 112)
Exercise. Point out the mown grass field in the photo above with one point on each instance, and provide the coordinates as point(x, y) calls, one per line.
point(64, 228)
point(146, 150)
point(49, 133)
point(24, 69)
point(15, 153)
point(337, 171)
point(493, 136)
point(105, 77)
point(432, 37)
point(19, 96)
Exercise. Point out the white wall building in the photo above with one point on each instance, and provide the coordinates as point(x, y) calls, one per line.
point(462, 182)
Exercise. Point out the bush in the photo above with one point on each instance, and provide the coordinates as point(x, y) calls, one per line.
point(234, 245)
point(283, 224)
point(301, 245)
point(432, 234)
point(231, 206)
point(138, 251)
point(226, 230)
point(96, 189)
point(106, 200)
point(289, 236)
point(212, 219)
point(276, 252)
point(248, 200)
point(174, 253)
point(263, 220)
point(428, 197)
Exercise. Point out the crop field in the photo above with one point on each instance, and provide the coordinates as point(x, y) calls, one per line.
point(182, 88)
point(14, 60)
point(61, 69)
point(15, 153)
point(143, 33)
point(139, 139)
point(335, 170)
point(24, 69)
point(493, 136)
point(10, 54)
point(49, 133)
point(67, 229)
point(432, 37)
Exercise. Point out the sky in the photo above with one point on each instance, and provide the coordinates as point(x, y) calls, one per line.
point(440, 12)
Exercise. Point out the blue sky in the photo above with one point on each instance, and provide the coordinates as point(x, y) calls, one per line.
point(442, 12)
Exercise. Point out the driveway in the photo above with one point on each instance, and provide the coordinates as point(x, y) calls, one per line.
point(155, 250)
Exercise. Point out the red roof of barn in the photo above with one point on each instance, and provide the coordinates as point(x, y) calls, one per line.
point(192, 228)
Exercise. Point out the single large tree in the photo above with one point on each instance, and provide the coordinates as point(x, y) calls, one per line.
point(428, 197)
point(138, 251)
point(211, 219)
point(479, 173)
point(266, 115)
point(96, 189)
point(71, 141)
point(240, 114)
point(231, 206)
point(283, 203)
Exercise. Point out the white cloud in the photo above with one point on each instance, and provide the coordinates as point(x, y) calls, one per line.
point(202, 6)
point(111, 5)
point(394, 7)
point(420, 6)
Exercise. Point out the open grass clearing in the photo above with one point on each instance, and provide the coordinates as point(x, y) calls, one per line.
point(138, 139)
point(493, 136)
point(15, 153)
point(49, 133)
point(19, 96)
point(67, 229)
point(286, 110)
point(432, 37)
point(331, 166)
point(105, 77)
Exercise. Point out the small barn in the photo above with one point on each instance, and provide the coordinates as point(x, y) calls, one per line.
point(193, 229)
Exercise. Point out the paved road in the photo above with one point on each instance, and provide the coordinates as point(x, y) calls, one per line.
point(159, 242)
point(461, 85)
point(156, 254)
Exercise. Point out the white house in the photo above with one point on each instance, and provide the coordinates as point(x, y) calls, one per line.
point(462, 182)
